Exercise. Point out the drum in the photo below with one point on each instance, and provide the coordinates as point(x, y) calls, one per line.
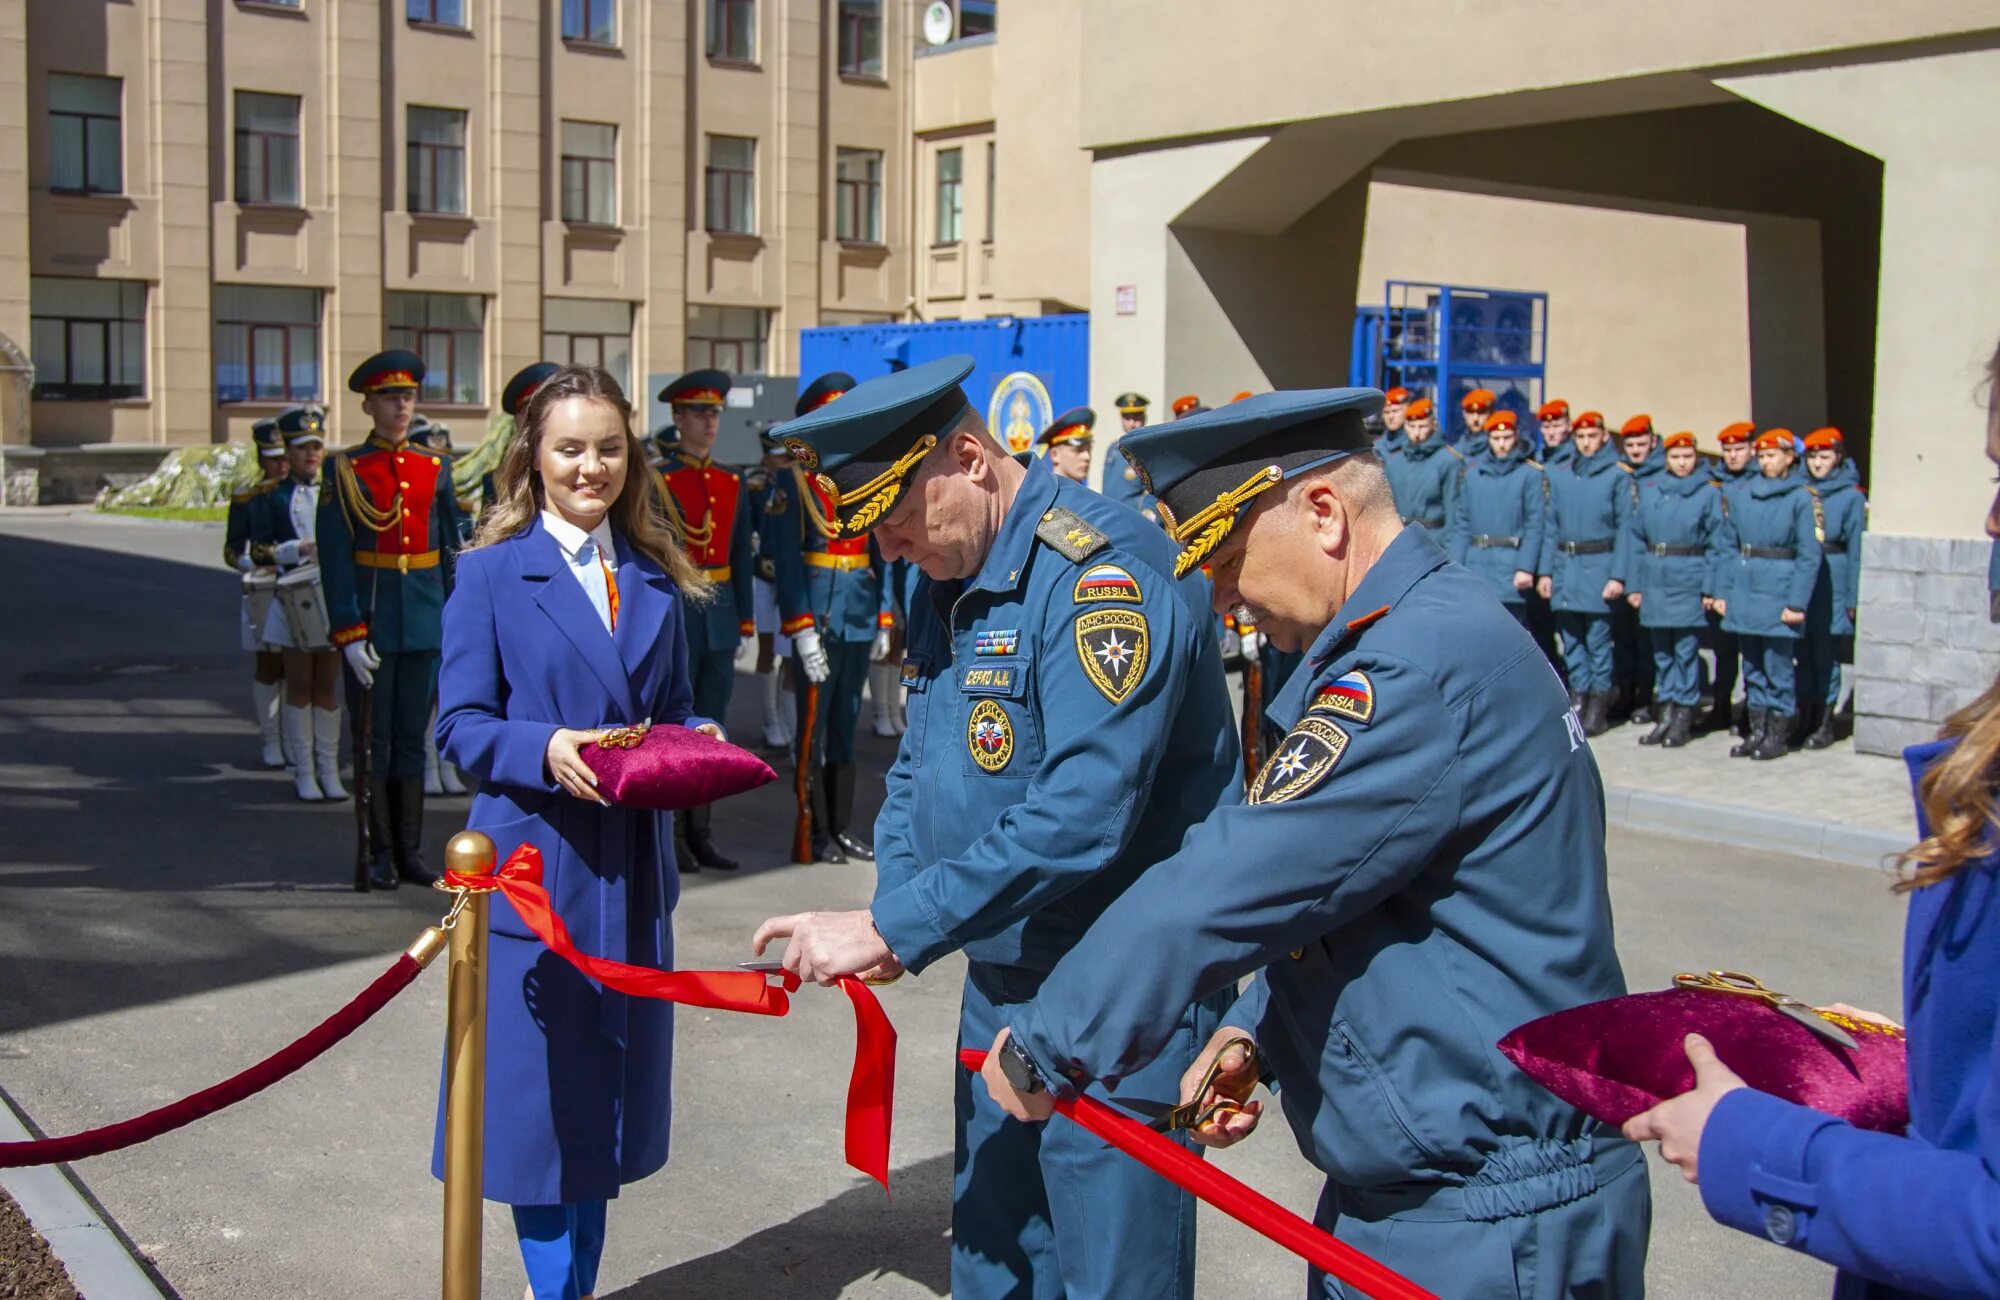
point(304, 604)
point(260, 588)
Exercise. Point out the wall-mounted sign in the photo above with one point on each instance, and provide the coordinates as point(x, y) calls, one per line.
point(1020, 409)
point(1128, 300)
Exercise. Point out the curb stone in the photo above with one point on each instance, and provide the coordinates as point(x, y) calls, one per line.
point(99, 1264)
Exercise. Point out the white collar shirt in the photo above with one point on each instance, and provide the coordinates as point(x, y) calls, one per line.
point(590, 557)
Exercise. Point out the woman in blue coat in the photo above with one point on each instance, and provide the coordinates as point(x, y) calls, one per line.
point(1672, 538)
point(1765, 575)
point(1584, 563)
point(1423, 475)
point(567, 617)
point(1840, 515)
point(1496, 520)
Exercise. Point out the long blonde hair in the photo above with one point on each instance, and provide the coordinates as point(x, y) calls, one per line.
point(640, 512)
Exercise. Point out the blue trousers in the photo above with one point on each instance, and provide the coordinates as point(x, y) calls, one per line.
point(1586, 647)
point(1818, 669)
point(1676, 664)
point(839, 698)
point(1768, 672)
point(401, 702)
point(1046, 1211)
point(560, 1247)
point(712, 678)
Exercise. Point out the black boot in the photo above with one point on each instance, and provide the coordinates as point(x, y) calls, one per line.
point(1596, 705)
point(1822, 736)
point(410, 832)
point(1754, 734)
point(840, 803)
point(825, 848)
point(1643, 710)
point(1776, 740)
point(1680, 726)
point(683, 855)
point(382, 796)
point(1664, 717)
point(703, 845)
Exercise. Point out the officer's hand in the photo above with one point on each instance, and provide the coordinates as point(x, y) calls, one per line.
point(309, 550)
point(825, 945)
point(1233, 1084)
point(1792, 617)
point(1720, 606)
point(1676, 1124)
point(1524, 580)
point(1633, 599)
point(566, 766)
point(879, 652)
point(1613, 589)
point(1545, 587)
point(1033, 1107)
point(812, 655)
point(362, 661)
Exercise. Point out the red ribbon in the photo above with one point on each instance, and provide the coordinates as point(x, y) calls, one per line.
point(1246, 1205)
point(871, 1085)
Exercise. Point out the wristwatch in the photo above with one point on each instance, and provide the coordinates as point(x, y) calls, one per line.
point(1019, 1069)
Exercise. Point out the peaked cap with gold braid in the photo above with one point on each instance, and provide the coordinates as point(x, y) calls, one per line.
point(1207, 470)
point(864, 447)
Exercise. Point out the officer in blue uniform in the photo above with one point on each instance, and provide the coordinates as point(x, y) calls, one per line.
point(388, 533)
point(1840, 516)
point(1067, 724)
point(1065, 444)
point(1419, 868)
point(1395, 414)
point(831, 604)
point(1121, 481)
point(1769, 566)
point(1584, 563)
point(1632, 660)
point(267, 668)
point(1424, 475)
point(1475, 408)
point(1497, 516)
point(706, 506)
point(1552, 417)
point(1674, 539)
point(1734, 470)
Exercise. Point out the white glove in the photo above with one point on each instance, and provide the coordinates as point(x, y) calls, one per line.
point(1252, 643)
point(811, 655)
point(288, 552)
point(362, 661)
point(880, 650)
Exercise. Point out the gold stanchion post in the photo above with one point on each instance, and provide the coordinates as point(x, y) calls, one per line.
point(468, 853)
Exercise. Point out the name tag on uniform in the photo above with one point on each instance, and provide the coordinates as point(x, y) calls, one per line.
point(993, 676)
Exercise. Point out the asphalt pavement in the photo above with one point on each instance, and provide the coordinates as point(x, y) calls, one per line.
point(168, 913)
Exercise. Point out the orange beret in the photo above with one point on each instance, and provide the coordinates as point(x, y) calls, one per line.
point(1735, 433)
point(1419, 409)
point(1681, 439)
point(1588, 420)
point(1182, 405)
point(1821, 439)
point(1553, 409)
point(1639, 426)
point(1771, 438)
point(1396, 395)
point(1240, 396)
point(1479, 399)
point(1502, 420)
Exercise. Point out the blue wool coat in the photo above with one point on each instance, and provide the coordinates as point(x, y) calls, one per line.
point(578, 1080)
point(1674, 512)
point(1775, 513)
point(1589, 497)
point(1424, 478)
point(1899, 1216)
point(1498, 499)
point(1842, 518)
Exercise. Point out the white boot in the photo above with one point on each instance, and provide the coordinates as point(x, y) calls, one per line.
point(326, 752)
point(267, 695)
point(881, 694)
point(297, 721)
point(776, 734)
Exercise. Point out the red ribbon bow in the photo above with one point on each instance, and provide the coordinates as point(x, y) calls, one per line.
point(871, 1084)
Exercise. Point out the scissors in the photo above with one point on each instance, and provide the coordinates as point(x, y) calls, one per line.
point(778, 968)
point(1170, 1117)
point(1749, 986)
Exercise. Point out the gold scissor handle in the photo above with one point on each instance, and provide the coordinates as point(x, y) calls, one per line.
point(1729, 981)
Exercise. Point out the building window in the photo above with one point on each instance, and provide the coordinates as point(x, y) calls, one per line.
point(977, 18)
point(861, 38)
point(857, 186)
point(89, 338)
point(86, 135)
point(441, 13)
point(950, 195)
point(595, 21)
point(992, 188)
point(732, 184)
point(732, 30)
point(448, 330)
point(590, 173)
point(582, 332)
point(266, 344)
point(267, 148)
point(436, 158)
point(728, 338)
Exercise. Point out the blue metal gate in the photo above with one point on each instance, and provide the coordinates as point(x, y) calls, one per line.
point(1444, 340)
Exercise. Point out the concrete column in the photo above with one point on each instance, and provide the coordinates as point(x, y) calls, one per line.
point(519, 151)
point(14, 328)
point(182, 380)
point(360, 62)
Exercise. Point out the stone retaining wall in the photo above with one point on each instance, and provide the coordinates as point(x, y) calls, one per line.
point(1925, 642)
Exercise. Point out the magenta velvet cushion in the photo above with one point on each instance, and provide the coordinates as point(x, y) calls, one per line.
point(671, 767)
point(1614, 1059)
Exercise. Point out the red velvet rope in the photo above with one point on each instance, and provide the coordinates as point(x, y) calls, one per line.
point(1246, 1205)
point(871, 1084)
point(286, 1060)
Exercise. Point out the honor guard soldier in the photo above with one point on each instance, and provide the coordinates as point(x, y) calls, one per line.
point(1067, 723)
point(1473, 408)
point(1395, 409)
point(1840, 515)
point(387, 536)
point(1419, 868)
point(1675, 531)
point(1121, 481)
point(706, 507)
point(1734, 470)
point(267, 668)
point(1769, 567)
point(768, 496)
point(1497, 516)
point(1424, 475)
point(513, 399)
point(1553, 417)
point(1584, 562)
point(1066, 443)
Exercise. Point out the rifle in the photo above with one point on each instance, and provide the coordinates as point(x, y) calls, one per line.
point(802, 779)
point(1253, 719)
